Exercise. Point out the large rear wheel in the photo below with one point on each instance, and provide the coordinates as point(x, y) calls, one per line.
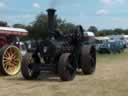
point(10, 60)
point(65, 67)
point(88, 59)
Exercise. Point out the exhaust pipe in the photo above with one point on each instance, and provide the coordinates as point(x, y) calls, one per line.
point(51, 20)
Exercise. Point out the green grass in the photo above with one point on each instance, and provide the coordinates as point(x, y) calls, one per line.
point(110, 79)
point(111, 58)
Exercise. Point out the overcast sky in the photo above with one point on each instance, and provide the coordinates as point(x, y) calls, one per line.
point(104, 14)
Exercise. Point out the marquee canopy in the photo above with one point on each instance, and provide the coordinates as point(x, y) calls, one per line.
point(13, 31)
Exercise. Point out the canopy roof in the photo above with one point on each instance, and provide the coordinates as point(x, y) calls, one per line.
point(13, 31)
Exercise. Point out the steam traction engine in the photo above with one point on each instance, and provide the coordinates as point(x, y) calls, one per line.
point(59, 53)
point(10, 56)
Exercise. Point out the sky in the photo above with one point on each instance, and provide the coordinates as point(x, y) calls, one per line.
point(104, 14)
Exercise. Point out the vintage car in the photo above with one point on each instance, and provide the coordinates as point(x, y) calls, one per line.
point(10, 55)
point(111, 46)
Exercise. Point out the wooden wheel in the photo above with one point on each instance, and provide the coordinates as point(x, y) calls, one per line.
point(10, 60)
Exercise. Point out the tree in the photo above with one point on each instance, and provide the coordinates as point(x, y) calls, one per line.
point(3, 24)
point(40, 27)
point(118, 31)
point(104, 32)
point(92, 29)
point(67, 27)
point(19, 26)
point(126, 31)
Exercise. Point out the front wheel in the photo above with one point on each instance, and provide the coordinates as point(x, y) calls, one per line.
point(65, 68)
point(28, 70)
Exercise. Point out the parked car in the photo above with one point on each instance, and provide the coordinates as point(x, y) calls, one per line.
point(117, 46)
point(111, 46)
point(100, 42)
point(105, 47)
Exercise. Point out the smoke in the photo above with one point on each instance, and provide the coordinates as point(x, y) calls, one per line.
point(53, 3)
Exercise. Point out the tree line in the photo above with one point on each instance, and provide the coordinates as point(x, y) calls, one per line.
point(38, 29)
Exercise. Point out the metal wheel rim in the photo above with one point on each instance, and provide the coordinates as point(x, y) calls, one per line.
point(11, 60)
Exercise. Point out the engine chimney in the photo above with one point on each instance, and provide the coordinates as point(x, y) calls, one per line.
point(51, 20)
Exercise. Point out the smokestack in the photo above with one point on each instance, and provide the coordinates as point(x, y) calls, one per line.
point(51, 20)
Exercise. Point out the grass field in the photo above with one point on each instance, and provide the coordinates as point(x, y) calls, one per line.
point(110, 79)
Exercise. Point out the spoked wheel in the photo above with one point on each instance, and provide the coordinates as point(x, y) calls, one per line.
point(10, 58)
point(88, 59)
point(65, 68)
point(28, 70)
